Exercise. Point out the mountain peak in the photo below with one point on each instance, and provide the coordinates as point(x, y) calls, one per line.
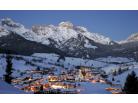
point(66, 24)
point(9, 22)
point(133, 37)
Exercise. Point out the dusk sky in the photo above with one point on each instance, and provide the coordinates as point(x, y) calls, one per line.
point(117, 25)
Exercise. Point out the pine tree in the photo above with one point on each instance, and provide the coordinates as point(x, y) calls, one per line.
point(131, 84)
point(113, 79)
point(61, 58)
point(119, 71)
point(9, 69)
point(38, 68)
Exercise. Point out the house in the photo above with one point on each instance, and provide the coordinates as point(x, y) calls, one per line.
point(53, 78)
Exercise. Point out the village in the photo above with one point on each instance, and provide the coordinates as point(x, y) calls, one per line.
point(67, 81)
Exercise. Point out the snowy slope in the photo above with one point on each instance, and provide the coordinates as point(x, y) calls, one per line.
point(121, 78)
point(110, 59)
point(69, 61)
point(132, 38)
point(3, 31)
point(88, 45)
point(8, 89)
point(45, 60)
point(108, 64)
point(97, 88)
point(114, 63)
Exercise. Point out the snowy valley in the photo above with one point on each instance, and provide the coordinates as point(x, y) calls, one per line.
point(64, 58)
point(50, 71)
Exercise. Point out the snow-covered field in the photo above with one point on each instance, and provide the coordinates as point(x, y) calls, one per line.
point(6, 88)
point(70, 61)
point(121, 78)
point(91, 88)
point(44, 60)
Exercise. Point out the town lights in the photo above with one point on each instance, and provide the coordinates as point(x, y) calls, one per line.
point(30, 79)
point(32, 88)
point(93, 81)
point(57, 87)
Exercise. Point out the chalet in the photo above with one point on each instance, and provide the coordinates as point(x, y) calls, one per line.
point(84, 73)
point(53, 78)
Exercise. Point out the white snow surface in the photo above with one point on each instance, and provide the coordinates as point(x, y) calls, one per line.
point(9, 89)
point(132, 38)
point(110, 59)
point(3, 31)
point(70, 61)
point(91, 88)
point(88, 45)
point(121, 78)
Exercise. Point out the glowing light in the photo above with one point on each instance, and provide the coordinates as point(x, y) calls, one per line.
point(33, 88)
point(94, 81)
point(111, 89)
point(57, 87)
point(102, 81)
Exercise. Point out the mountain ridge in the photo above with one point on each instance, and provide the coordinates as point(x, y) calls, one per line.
point(67, 38)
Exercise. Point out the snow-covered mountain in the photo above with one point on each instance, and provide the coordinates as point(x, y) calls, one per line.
point(65, 31)
point(66, 38)
point(9, 25)
point(132, 38)
point(60, 34)
point(70, 39)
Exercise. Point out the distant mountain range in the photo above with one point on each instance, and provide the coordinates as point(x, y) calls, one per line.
point(65, 39)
